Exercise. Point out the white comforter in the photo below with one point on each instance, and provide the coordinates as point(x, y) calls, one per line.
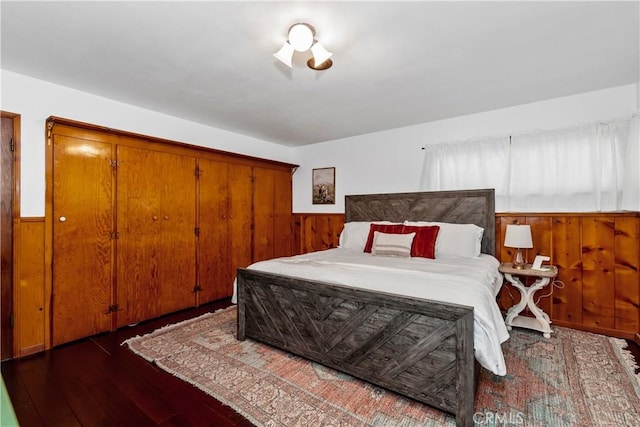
point(467, 281)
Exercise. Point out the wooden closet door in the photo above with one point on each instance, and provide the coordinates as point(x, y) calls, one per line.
point(156, 226)
point(214, 263)
point(82, 239)
point(282, 206)
point(263, 214)
point(240, 216)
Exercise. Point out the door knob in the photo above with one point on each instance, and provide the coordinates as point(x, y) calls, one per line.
point(63, 218)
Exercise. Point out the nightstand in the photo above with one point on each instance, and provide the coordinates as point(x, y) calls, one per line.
point(541, 322)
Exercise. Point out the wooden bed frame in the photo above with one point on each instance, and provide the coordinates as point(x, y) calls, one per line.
point(419, 348)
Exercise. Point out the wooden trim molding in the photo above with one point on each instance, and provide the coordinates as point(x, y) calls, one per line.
point(15, 221)
point(164, 143)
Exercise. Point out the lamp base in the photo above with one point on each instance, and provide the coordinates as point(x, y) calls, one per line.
point(518, 260)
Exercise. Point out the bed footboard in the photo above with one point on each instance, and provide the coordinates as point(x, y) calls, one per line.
point(418, 348)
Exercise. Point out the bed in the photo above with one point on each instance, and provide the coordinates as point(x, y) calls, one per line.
point(418, 347)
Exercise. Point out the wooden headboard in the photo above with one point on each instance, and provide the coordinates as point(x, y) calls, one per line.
point(459, 207)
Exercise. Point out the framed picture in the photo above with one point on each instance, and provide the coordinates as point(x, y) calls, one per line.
point(324, 186)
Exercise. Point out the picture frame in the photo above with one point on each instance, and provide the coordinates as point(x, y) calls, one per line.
point(323, 186)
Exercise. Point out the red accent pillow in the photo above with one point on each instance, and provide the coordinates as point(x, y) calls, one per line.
point(383, 228)
point(424, 244)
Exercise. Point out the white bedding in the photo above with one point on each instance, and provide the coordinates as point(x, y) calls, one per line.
point(467, 281)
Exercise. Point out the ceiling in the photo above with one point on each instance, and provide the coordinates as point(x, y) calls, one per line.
point(395, 63)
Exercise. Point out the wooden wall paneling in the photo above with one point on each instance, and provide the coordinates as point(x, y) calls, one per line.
point(316, 232)
point(567, 256)
point(308, 233)
point(82, 240)
point(240, 217)
point(30, 302)
point(214, 266)
point(508, 295)
point(541, 234)
point(627, 278)
point(328, 230)
point(598, 246)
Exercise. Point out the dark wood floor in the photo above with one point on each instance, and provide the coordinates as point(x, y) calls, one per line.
point(98, 382)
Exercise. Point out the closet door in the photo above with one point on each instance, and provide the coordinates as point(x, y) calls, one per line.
point(82, 238)
point(240, 233)
point(214, 262)
point(272, 213)
point(263, 214)
point(282, 207)
point(156, 209)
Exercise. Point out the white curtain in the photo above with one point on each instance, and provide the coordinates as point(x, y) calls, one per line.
point(586, 168)
point(631, 180)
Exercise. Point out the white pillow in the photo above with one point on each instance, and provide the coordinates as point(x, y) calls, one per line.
point(355, 234)
point(455, 240)
point(387, 244)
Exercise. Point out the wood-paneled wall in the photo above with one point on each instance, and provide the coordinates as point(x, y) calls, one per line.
point(598, 259)
point(29, 298)
point(597, 254)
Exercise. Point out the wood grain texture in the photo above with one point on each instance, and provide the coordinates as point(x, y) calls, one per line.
point(82, 246)
point(30, 303)
point(282, 213)
point(461, 207)
point(597, 255)
point(7, 189)
point(627, 276)
point(567, 256)
point(316, 232)
point(240, 218)
point(559, 235)
point(598, 292)
point(214, 262)
point(156, 224)
point(419, 348)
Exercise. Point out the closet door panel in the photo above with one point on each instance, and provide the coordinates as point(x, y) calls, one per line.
point(82, 243)
point(240, 216)
point(263, 214)
point(283, 234)
point(139, 230)
point(178, 237)
point(214, 264)
point(156, 222)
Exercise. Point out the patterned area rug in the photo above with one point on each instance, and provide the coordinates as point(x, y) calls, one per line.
point(573, 379)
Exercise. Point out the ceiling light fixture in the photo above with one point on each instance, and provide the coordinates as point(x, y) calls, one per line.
point(302, 39)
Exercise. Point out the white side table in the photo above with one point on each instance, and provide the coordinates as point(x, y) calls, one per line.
point(541, 322)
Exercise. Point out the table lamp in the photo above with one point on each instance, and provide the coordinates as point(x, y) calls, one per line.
point(519, 237)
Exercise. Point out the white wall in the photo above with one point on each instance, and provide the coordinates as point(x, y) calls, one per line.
point(388, 161)
point(35, 100)
point(391, 161)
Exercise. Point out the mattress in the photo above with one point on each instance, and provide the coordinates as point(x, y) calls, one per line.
point(467, 281)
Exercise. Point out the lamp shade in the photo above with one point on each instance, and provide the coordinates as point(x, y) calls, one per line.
point(285, 54)
point(320, 54)
point(518, 236)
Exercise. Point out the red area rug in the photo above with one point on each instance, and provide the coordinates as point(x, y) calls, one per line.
point(573, 379)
